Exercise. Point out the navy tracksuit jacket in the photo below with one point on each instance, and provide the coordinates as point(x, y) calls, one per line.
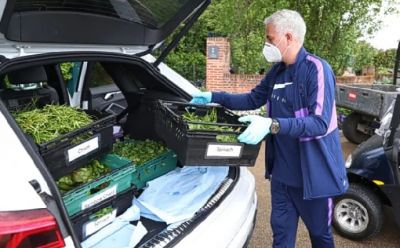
point(312, 127)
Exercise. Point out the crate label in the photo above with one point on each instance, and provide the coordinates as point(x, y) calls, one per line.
point(83, 149)
point(100, 197)
point(95, 225)
point(216, 150)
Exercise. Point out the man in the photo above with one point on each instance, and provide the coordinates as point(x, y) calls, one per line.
point(304, 158)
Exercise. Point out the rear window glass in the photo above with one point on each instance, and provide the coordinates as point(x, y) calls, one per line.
point(152, 13)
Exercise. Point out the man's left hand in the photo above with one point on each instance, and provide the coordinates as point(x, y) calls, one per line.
point(259, 127)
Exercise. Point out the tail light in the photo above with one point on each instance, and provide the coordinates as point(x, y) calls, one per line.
point(29, 228)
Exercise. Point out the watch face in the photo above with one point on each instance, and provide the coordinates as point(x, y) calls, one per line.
point(274, 127)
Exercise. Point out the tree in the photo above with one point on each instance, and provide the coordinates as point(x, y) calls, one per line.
point(189, 57)
point(242, 22)
point(384, 60)
point(363, 55)
point(333, 28)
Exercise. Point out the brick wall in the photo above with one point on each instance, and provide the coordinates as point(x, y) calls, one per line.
point(239, 83)
point(355, 79)
point(218, 63)
point(218, 77)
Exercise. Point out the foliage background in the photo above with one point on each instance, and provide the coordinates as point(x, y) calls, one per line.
point(334, 29)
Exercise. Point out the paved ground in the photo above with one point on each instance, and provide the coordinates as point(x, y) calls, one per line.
point(262, 236)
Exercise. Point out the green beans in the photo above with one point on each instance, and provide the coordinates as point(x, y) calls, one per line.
point(210, 117)
point(51, 121)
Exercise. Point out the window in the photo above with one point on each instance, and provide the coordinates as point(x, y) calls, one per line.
point(98, 76)
point(152, 13)
point(71, 72)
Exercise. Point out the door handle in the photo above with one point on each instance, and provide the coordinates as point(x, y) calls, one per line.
point(110, 95)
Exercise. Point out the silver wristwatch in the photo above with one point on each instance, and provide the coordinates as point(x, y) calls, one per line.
point(275, 127)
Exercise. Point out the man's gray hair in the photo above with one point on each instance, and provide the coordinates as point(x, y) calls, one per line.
point(288, 21)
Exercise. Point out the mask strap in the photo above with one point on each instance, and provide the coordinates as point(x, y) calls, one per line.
point(284, 52)
point(278, 42)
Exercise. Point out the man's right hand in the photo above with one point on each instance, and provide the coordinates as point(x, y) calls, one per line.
point(201, 97)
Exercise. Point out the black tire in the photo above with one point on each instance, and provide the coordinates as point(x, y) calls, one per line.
point(350, 131)
point(363, 209)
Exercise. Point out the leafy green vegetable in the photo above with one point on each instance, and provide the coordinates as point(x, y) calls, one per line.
point(210, 117)
point(102, 212)
point(139, 151)
point(52, 121)
point(82, 175)
point(227, 138)
point(65, 184)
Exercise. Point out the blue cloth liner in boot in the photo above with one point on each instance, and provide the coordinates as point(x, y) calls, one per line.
point(120, 233)
point(178, 195)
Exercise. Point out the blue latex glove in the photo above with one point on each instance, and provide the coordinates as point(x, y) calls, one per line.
point(256, 131)
point(201, 97)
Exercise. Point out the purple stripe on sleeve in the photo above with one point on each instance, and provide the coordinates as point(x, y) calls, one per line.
point(330, 210)
point(321, 84)
point(332, 125)
point(307, 139)
point(301, 113)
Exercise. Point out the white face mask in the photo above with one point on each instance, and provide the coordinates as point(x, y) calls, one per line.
point(272, 53)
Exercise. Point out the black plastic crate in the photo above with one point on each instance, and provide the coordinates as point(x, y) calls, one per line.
point(62, 155)
point(201, 147)
point(88, 222)
point(20, 100)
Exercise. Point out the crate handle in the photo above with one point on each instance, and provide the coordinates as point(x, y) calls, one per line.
point(216, 124)
point(212, 132)
point(99, 187)
point(178, 119)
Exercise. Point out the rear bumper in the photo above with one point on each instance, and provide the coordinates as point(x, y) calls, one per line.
point(245, 233)
point(246, 244)
point(232, 222)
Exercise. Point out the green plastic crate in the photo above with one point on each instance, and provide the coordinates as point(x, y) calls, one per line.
point(118, 180)
point(154, 168)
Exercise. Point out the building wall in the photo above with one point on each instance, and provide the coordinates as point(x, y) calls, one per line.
point(219, 78)
point(218, 63)
point(355, 79)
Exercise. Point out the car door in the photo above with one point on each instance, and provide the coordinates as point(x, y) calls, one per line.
point(101, 92)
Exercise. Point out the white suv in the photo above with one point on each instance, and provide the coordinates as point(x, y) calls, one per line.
point(109, 44)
